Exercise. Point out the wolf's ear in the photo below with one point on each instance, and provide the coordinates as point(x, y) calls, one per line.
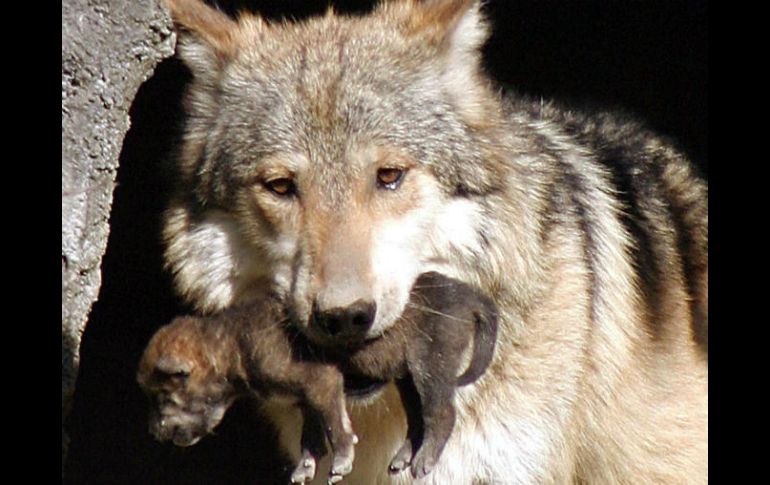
point(459, 24)
point(456, 25)
point(457, 29)
point(205, 34)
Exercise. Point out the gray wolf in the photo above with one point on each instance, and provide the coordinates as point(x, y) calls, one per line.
point(194, 368)
point(336, 159)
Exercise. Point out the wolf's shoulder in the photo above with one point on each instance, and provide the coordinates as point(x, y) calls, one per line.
point(613, 136)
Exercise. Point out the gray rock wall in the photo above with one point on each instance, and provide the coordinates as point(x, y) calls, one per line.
point(109, 48)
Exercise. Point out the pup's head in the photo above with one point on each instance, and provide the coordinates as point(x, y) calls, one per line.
point(347, 151)
point(188, 394)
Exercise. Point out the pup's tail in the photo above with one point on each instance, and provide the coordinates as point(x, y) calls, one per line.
point(483, 343)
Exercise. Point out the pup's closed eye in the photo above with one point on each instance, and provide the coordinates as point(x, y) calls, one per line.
point(173, 367)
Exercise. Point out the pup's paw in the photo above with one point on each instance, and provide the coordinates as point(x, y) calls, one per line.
point(402, 459)
point(342, 464)
point(424, 461)
point(305, 470)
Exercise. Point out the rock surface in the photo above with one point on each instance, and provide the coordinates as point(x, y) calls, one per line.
point(109, 48)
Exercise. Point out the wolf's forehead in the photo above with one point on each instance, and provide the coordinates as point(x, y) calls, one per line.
point(324, 89)
point(336, 81)
point(325, 112)
point(322, 42)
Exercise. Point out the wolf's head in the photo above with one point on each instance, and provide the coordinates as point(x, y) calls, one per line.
point(338, 158)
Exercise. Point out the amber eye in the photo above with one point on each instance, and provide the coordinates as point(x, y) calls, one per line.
point(281, 186)
point(390, 178)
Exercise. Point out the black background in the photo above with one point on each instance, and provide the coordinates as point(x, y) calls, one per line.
point(647, 57)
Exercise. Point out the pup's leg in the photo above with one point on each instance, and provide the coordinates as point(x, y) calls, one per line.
point(415, 426)
point(433, 364)
point(434, 357)
point(313, 446)
point(438, 413)
point(324, 393)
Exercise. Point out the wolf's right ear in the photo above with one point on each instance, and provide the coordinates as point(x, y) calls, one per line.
point(206, 35)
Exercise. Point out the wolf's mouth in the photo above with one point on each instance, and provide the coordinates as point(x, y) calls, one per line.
point(360, 387)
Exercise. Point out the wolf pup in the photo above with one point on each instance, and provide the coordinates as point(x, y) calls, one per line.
point(338, 158)
point(423, 355)
point(194, 368)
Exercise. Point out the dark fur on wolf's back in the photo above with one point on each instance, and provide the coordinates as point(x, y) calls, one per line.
point(254, 352)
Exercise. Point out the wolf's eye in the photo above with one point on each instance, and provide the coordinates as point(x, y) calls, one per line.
point(389, 178)
point(284, 187)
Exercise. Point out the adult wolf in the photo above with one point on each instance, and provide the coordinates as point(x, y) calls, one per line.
point(335, 160)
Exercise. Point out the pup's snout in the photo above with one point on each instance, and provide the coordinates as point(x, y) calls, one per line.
point(349, 323)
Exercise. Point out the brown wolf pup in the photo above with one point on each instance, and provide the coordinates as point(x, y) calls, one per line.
point(338, 158)
point(194, 368)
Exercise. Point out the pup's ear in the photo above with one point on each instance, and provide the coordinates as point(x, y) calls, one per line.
point(206, 35)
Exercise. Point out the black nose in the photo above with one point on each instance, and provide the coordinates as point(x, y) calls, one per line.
point(349, 322)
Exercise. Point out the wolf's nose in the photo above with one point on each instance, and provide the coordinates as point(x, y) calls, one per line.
point(349, 322)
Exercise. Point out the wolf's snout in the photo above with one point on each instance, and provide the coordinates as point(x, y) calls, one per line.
point(351, 322)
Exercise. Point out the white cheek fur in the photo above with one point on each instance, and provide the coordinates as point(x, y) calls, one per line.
point(425, 239)
point(395, 265)
point(455, 227)
point(282, 252)
point(205, 258)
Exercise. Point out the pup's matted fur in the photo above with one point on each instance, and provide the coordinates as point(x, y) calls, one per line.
point(339, 158)
point(195, 367)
